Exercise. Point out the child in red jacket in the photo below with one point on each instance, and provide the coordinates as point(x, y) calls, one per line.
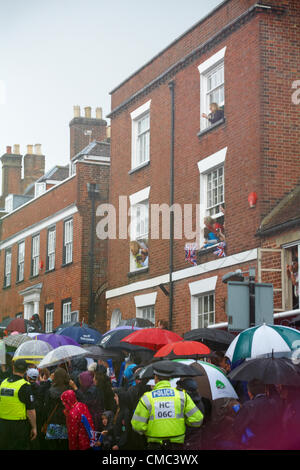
point(77, 434)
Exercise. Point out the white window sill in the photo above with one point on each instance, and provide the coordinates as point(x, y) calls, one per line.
point(137, 168)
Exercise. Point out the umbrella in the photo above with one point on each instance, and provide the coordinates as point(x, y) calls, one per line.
point(69, 323)
point(2, 352)
point(217, 340)
point(212, 383)
point(97, 352)
point(18, 324)
point(263, 339)
point(62, 354)
point(172, 368)
point(4, 324)
point(15, 341)
point(152, 338)
point(81, 334)
point(32, 351)
point(56, 340)
point(140, 322)
point(183, 349)
point(269, 370)
point(113, 339)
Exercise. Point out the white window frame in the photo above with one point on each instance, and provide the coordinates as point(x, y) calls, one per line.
point(39, 188)
point(35, 255)
point(205, 69)
point(68, 241)
point(145, 306)
point(51, 246)
point(7, 268)
point(139, 205)
point(136, 117)
point(66, 311)
point(198, 290)
point(49, 318)
point(21, 261)
point(147, 312)
point(205, 167)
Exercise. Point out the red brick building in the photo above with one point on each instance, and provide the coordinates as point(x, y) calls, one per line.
point(50, 261)
point(244, 56)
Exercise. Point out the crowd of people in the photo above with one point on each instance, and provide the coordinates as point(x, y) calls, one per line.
point(77, 406)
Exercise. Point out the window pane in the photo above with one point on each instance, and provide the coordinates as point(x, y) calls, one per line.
point(206, 310)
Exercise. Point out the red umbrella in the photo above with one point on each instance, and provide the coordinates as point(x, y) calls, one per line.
point(152, 338)
point(17, 324)
point(183, 349)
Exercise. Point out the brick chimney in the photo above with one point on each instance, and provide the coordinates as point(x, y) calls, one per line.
point(34, 165)
point(11, 172)
point(86, 129)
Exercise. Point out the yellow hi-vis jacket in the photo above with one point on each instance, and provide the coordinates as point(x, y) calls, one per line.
point(10, 406)
point(162, 414)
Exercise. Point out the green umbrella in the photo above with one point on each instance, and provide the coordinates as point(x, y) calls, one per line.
point(261, 340)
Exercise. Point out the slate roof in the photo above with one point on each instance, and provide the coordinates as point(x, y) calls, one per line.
point(285, 214)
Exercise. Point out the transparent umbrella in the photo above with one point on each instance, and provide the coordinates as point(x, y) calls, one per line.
point(32, 351)
point(61, 355)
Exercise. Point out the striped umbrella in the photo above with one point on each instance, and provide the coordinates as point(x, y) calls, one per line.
point(262, 340)
point(211, 381)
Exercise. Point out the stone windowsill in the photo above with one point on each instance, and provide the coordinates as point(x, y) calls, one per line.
point(211, 128)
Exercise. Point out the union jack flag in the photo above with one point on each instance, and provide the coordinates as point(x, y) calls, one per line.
point(190, 254)
point(220, 251)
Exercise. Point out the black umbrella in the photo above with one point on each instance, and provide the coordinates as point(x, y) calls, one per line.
point(139, 322)
point(269, 370)
point(97, 352)
point(217, 340)
point(4, 324)
point(112, 339)
point(170, 369)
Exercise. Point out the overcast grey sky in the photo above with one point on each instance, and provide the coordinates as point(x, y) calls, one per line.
point(58, 53)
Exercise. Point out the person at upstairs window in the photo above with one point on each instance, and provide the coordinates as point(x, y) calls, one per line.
point(215, 115)
point(293, 274)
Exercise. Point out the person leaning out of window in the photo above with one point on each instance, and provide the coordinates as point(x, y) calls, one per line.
point(215, 115)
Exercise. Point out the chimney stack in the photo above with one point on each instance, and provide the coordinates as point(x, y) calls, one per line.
point(79, 125)
point(11, 172)
point(34, 165)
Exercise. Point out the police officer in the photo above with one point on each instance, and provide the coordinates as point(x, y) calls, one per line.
point(162, 414)
point(17, 410)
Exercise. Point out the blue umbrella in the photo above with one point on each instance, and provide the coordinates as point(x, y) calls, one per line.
point(81, 334)
point(56, 340)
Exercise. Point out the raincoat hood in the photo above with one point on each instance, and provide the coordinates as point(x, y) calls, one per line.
point(86, 380)
point(109, 415)
point(69, 399)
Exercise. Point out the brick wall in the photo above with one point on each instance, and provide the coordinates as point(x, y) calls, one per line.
point(251, 133)
point(66, 281)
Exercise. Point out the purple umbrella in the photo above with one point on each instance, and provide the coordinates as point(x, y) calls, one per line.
point(56, 340)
